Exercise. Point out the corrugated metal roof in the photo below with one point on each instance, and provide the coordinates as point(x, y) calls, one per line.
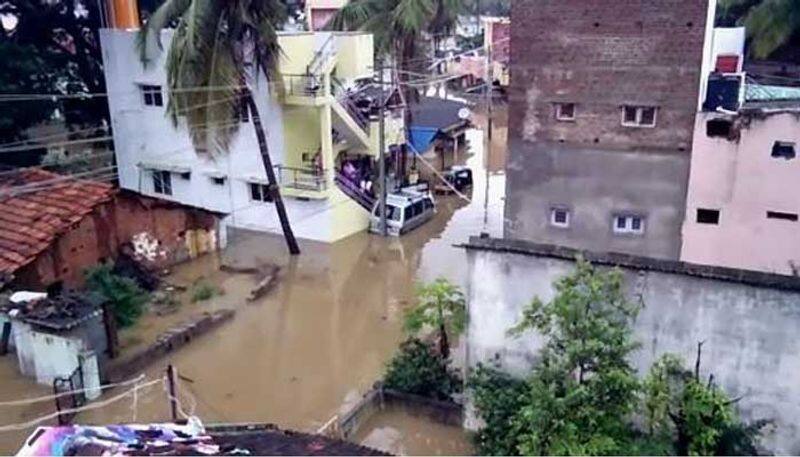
point(31, 219)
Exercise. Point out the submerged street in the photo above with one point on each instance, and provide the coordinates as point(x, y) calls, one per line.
point(315, 343)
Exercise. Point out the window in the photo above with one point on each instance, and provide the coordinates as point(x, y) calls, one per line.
point(428, 204)
point(260, 192)
point(639, 116)
point(565, 111)
point(218, 181)
point(629, 224)
point(151, 95)
point(784, 150)
point(559, 217)
point(782, 216)
point(707, 216)
point(162, 182)
point(419, 208)
point(186, 175)
point(718, 128)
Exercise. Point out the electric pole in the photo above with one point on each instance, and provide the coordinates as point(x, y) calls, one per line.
point(488, 44)
point(382, 147)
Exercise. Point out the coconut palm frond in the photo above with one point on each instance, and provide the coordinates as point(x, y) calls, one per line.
point(447, 12)
point(353, 16)
point(168, 12)
point(413, 16)
point(771, 24)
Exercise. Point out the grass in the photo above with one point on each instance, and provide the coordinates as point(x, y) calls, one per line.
point(203, 291)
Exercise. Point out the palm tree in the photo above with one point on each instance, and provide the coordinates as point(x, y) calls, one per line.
point(219, 48)
point(397, 26)
point(771, 24)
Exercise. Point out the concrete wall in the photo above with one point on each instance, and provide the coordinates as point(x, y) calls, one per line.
point(739, 177)
point(601, 55)
point(747, 320)
point(595, 185)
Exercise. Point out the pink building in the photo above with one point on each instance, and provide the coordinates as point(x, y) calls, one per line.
point(743, 200)
point(319, 12)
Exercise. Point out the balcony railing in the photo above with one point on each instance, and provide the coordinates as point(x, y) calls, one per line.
point(312, 179)
point(304, 85)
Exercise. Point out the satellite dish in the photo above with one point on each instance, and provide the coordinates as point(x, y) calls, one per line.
point(464, 113)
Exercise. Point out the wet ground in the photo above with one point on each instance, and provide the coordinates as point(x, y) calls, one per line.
point(314, 344)
point(398, 432)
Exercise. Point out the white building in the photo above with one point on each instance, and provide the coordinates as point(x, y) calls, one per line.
point(310, 132)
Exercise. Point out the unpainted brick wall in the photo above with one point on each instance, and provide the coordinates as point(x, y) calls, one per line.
point(602, 54)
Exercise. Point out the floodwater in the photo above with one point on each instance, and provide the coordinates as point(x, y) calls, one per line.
point(312, 346)
point(399, 432)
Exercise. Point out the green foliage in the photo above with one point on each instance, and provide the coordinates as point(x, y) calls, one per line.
point(583, 391)
point(701, 416)
point(206, 62)
point(771, 24)
point(498, 397)
point(441, 306)
point(582, 396)
point(127, 299)
point(416, 369)
point(203, 290)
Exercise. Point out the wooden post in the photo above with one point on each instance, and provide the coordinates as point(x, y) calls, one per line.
point(173, 399)
point(110, 324)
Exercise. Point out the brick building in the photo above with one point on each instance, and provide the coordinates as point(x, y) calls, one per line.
point(602, 102)
point(53, 228)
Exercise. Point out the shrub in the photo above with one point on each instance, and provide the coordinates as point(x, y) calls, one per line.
point(417, 369)
point(126, 298)
point(497, 398)
point(203, 291)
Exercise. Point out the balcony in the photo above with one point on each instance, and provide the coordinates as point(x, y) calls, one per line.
point(304, 89)
point(299, 182)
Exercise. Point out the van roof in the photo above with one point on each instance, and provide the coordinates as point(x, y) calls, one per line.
point(404, 198)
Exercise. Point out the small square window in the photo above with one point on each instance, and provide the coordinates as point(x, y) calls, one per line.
point(718, 128)
point(559, 217)
point(162, 182)
point(260, 192)
point(707, 216)
point(151, 95)
point(639, 116)
point(565, 111)
point(783, 150)
point(218, 181)
point(629, 224)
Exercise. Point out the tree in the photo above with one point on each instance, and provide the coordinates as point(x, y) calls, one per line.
point(771, 24)
point(696, 415)
point(209, 72)
point(441, 306)
point(583, 390)
point(126, 298)
point(59, 39)
point(415, 369)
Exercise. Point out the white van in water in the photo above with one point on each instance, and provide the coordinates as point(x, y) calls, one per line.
point(405, 211)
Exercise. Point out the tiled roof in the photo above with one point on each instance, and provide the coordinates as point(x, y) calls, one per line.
point(32, 217)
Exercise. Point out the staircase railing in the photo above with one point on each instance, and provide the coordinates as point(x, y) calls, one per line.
point(321, 57)
point(345, 99)
point(353, 191)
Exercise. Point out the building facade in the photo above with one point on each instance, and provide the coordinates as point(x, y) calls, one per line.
point(319, 12)
point(741, 211)
point(602, 102)
point(312, 126)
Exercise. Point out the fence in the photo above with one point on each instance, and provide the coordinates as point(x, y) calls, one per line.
point(301, 178)
point(66, 398)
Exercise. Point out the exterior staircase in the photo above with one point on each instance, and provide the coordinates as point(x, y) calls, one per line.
point(353, 191)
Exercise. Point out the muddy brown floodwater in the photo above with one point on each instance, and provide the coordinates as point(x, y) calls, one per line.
point(399, 432)
point(319, 340)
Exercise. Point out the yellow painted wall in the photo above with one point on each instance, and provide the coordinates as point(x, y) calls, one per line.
point(298, 50)
point(301, 133)
point(355, 56)
point(394, 133)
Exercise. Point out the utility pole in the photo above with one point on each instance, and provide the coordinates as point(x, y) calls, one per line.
point(382, 147)
point(173, 400)
point(488, 44)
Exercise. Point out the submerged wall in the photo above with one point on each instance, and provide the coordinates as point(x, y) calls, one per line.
point(748, 321)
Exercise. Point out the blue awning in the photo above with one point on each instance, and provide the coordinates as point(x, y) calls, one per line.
point(422, 137)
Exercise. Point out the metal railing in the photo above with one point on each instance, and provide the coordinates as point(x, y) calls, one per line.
point(353, 191)
point(304, 85)
point(301, 178)
point(346, 100)
point(322, 56)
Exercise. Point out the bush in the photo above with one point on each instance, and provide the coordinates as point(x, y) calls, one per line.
point(203, 291)
point(126, 298)
point(497, 398)
point(417, 369)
